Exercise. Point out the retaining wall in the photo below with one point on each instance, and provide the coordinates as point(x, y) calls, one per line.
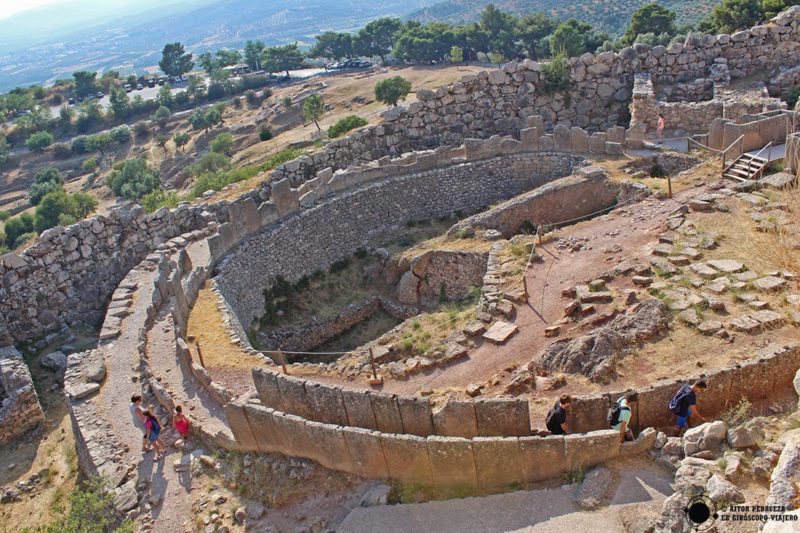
point(20, 410)
point(758, 130)
point(316, 237)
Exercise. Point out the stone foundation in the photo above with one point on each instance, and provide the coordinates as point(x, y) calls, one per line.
point(20, 410)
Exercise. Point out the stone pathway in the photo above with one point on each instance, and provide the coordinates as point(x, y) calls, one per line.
point(536, 511)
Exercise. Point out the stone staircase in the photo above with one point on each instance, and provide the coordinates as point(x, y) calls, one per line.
point(747, 167)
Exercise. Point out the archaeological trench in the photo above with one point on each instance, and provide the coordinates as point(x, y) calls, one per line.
point(494, 149)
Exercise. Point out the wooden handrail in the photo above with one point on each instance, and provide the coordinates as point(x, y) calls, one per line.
point(725, 153)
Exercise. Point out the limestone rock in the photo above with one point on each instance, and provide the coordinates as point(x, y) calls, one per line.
point(708, 436)
point(721, 490)
point(407, 291)
point(54, 361)
point(595, 489)
point(740, 437)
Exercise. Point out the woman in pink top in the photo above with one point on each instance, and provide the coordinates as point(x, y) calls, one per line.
point(660, 128)
point(180, 423)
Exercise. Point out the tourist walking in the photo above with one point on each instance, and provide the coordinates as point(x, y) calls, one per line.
point(684, 404)
point(557, 417)
point(660, 128)
point(180, 423)
point(619, 416)
point(153, 427)
point(138, 419)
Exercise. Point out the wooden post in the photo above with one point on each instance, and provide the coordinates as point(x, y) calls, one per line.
point(375, 379)
point(282, 358)
point(525, 284)
point(199, 353)
point(669, 185)
point(539, 234)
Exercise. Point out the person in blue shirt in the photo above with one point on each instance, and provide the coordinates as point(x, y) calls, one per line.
point(684, 404)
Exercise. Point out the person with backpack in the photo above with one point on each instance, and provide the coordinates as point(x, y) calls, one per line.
point(556, 421)
point(138, 418)
point(153, 427)
point(619, 416)
point(684, 404)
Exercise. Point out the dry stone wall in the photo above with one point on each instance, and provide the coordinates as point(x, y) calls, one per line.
point(500, 101)
point(20, 410)
point(318, 236)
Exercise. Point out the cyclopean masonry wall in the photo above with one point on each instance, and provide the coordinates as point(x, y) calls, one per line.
point(500, 101)
point(20, 410)
point(315, 237)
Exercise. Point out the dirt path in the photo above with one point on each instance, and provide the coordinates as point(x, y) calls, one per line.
point(642, 487)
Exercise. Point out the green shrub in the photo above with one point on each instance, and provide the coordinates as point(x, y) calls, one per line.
point(59, 208)
point(281, 157)
point(90, 165)
point(286, 101)
point(216, 181)
point(345, 124)
point(155, 200)
point(79, 145)
point(134, 179)
point(141, 129)
point(46, 181)
point(16, 227)
point(339, 265)
point(91, 510)
point(265, 133)
point(121, 135)
point(61, 151)
point(181, 139)
point(210, 162)
point(38, 141)
point(4, 215)
point(222, 143)
point(161, 116)
point(392, 90)
point(556, 74)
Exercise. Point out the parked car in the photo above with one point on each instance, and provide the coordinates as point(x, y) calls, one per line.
point(71, 101)
point(151, 82)
point(139, 87)
point(162, 81)
point(128, 88)
point(99, 94)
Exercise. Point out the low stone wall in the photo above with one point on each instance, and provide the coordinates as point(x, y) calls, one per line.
point(316, 237)
point(757, 130)
point(20, 410)
point(485, 462)
point(587, 191)
point(437, 276)
point(303, 337)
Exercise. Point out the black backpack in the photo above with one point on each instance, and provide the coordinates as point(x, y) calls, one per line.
point(677, 400)
point(614, 412)
point(550, 421)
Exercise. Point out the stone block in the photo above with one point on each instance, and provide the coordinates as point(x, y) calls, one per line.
point(614, 149)
point(588, 413)
point(216, 247)
point(269, 393)
point(358, 405)
point(267, 213)
point(387, 413)
point(497, 461)
point(455, 419)
point(452, 462)
point(366, 452)
point(503, 417)
point(653, 403)
point(245, 215)
point(407, 458)
point(229, 234)
point(530, 139)
point(326, 404)
point(296, 439)
point(267, 435)
point(597, 143)
point(500, 332)
point(579, 140)
point(329, 447)
point(240, 427)
point(642, 444)
point(615, 134)
point(542, 458)
point(416, 415)
point(293, 395)
point(562, 138)
point(286, 200)
point(590, 449)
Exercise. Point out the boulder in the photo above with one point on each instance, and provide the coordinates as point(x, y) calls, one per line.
point(785, 480)
point(407, 291)
point(721, 490)
point(54, 361)
point(708, 436)
point(595, 489)
point(740, 437)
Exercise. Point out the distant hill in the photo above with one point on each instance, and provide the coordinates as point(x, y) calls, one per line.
point(132, 36)
point(611, 16)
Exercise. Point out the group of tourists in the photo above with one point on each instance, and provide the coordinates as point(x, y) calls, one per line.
point(147, 422)
point(683, 405)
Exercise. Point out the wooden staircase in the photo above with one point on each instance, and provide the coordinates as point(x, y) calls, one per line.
point(746, 167)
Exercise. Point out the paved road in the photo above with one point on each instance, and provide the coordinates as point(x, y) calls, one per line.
point(536, 511)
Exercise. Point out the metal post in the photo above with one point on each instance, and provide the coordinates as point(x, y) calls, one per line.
point(282, 358)
point(199, 353)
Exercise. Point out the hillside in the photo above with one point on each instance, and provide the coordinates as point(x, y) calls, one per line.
point(611, 16)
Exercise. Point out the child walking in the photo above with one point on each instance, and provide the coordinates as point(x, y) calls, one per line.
point(153, 427)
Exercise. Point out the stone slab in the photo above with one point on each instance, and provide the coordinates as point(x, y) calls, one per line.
point(455, 419)
point(293, 396)
point(542, 458)
point(407, 458)
point(497, 461)
point(589, 449)
point(500, 332)
point(269, 393)
point(416, 415)
point(330, 449)
point(366, 452)
point(326, 404)
point(358, 405)
point(387, 413)
point(452, 462)
point(503, 417)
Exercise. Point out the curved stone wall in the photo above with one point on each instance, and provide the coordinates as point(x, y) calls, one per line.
point(322, 234)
